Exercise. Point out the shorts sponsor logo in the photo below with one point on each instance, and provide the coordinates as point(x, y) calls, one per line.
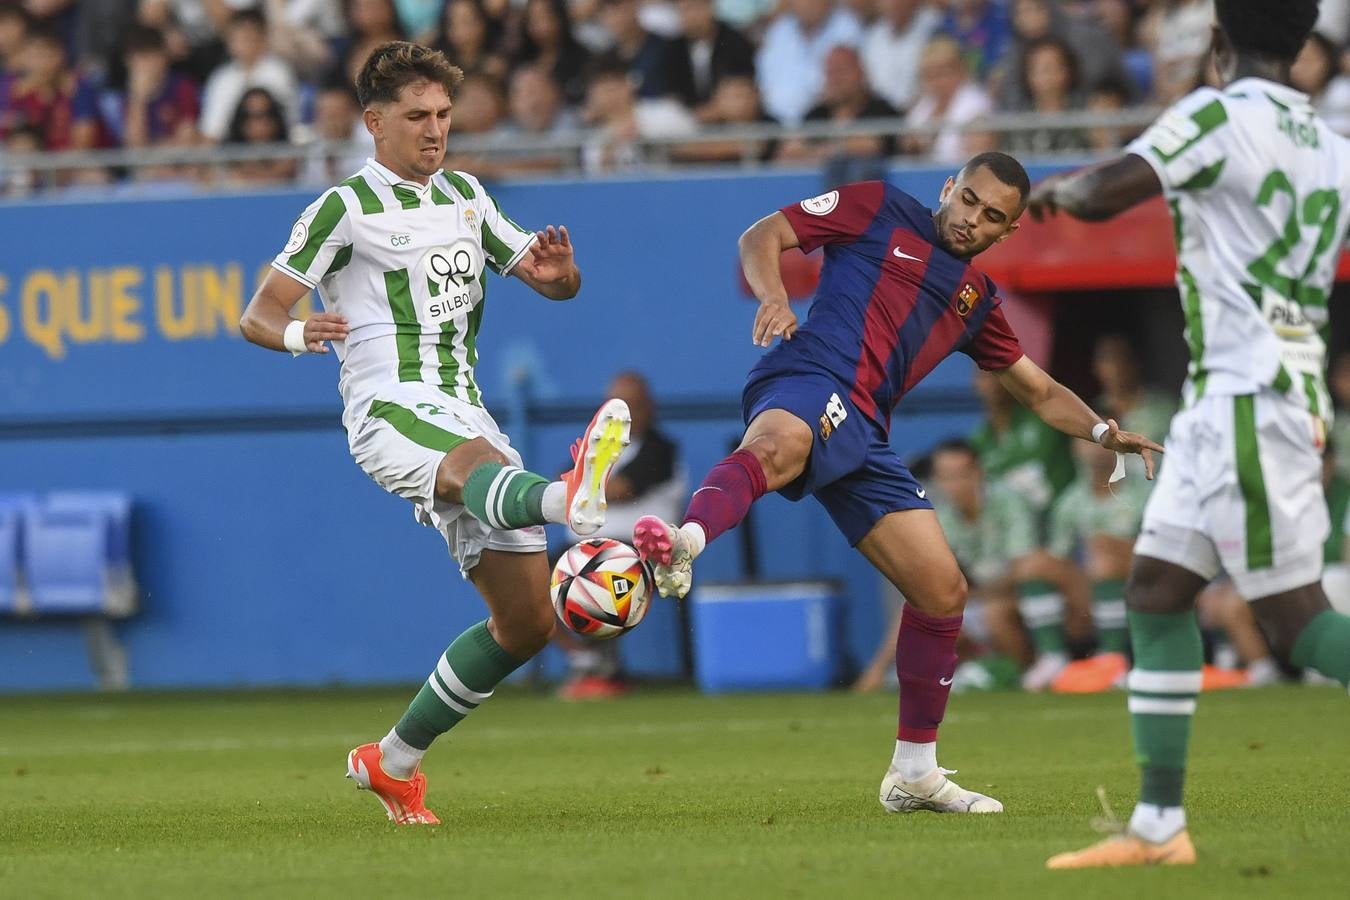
point(299, 234)
point(822, 205)
point(966, 300)
point(834, 415)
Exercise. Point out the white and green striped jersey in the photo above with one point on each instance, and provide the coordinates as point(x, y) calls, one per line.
point(406, 265)
point(1254, 179)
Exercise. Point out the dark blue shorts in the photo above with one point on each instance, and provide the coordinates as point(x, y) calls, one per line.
point(852, 471)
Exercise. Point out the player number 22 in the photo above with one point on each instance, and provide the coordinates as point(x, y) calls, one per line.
point(1321, 209)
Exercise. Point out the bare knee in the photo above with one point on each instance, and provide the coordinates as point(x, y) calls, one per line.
point(781, 456)
point(525, 631)
point(459, 463)
point(945, 599)
point(1161, 587)
point(1282, 617)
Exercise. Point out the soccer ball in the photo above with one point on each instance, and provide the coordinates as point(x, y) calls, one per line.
point(601, 588)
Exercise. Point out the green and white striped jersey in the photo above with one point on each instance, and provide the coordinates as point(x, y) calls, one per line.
point(1004, 531)
point(1254, 179)
point(406, 265)
point(1080, 513)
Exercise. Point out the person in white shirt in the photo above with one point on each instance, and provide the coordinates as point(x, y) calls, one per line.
point(251, 65)
point(791, 62)
point(893, 45)
point(950, 99)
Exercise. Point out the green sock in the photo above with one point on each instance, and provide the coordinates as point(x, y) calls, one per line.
point(1324, 645)
point(1163, 687)
point(505, 497)
point(1108, 615)
point(1042, 610)
point(473, 665)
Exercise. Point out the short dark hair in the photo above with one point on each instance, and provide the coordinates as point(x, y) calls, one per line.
point(1005, 169)
point(250, 15)
point(1114, 85)
point(956, 445)
point(46, 33)
point(1273, 30)
point(392, 66)
point(1066, 53)
point(12, 9)
point(144, 39)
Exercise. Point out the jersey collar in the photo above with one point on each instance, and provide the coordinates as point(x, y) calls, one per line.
point(391, 178)
point(1281, 93)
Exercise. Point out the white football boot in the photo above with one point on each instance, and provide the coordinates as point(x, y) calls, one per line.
point(1042, 672)
point(934, 792)
point(667, 549)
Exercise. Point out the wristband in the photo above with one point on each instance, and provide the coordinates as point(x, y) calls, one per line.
point(1099, 431)
point(294, 337)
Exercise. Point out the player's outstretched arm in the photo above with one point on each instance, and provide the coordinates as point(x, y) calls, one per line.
point(761, 247)
point(269, 315)
point(1064, 410)
point(550, 267)
point(1097, 192)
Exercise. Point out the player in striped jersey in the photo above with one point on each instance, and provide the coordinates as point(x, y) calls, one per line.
point(1255, 180)
point(399, 254)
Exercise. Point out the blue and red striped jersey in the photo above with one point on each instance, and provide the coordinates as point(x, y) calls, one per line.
point(891, 304)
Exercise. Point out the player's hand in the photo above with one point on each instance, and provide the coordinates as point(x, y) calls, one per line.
point(774, 319)
point(550, 258)
point(1042, 203)
point(323, 327)
point(1129, 442)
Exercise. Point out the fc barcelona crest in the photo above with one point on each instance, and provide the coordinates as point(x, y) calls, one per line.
point(966, 300)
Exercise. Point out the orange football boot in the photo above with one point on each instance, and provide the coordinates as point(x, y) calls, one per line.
point(402, 797)
point(593, 456)
point(1092, 675)
point(1128, 850)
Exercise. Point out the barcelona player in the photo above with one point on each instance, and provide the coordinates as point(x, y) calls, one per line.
point(897, 295)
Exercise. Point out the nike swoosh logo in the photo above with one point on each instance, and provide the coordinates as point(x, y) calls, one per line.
point(944, 681)
point(902, 255)
point(922, 493)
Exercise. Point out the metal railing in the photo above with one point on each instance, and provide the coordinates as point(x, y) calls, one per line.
point(564, 152)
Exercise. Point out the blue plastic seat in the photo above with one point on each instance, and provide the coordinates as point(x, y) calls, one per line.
point(10, 527)
point(65, 555)
point(115, 507)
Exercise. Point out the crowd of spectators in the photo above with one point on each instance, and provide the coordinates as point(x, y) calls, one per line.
point(144, 73)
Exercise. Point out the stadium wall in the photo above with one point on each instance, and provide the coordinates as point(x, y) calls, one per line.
point(264, 555)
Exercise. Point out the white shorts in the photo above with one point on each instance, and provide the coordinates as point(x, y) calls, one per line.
point(399, 438)
point(1241, 489)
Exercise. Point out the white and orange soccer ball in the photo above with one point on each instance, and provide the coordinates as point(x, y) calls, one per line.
point(601, 588)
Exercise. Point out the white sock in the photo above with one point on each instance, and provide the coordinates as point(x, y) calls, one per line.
point(694, 537)
point(554, 503)
point(1157, 824)
point(914, 761)
point(400, 759)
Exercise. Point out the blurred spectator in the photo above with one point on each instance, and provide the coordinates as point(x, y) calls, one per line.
point(50, 97)
point(418, 18)
point(655, 65)
point(1018, 449)
point(1126, 398)
point(259, 119)
point(791, 61)
point(1315, 74)
point(1333, 20)
point(1109, 95)
point(845, 98)
point(749, 15)
point(251, 65)
point(622, 120)
point(337, 118)
point(536, 104)
point(158, 106)
point(735, 102)
point(192, 30)
point(981, 30)
point(303, 32)
point(1179, 33)
point(1079, 25)
point(1050, 79)
point(893, 45)
point(471, 39)
point(648, 479)
point(370, 23)
point(17, 183)
point(14, 21)
point(714, 51)
point(99, 30)
point(949, 99)
point(480, 105)
point(545, 39)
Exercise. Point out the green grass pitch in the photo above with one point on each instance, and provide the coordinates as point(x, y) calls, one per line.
point(661, 794)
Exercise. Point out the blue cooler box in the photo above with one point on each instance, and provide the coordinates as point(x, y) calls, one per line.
point(766, 636)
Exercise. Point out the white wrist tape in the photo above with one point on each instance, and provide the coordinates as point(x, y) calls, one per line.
point(294, 337)
point(1099, 430)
